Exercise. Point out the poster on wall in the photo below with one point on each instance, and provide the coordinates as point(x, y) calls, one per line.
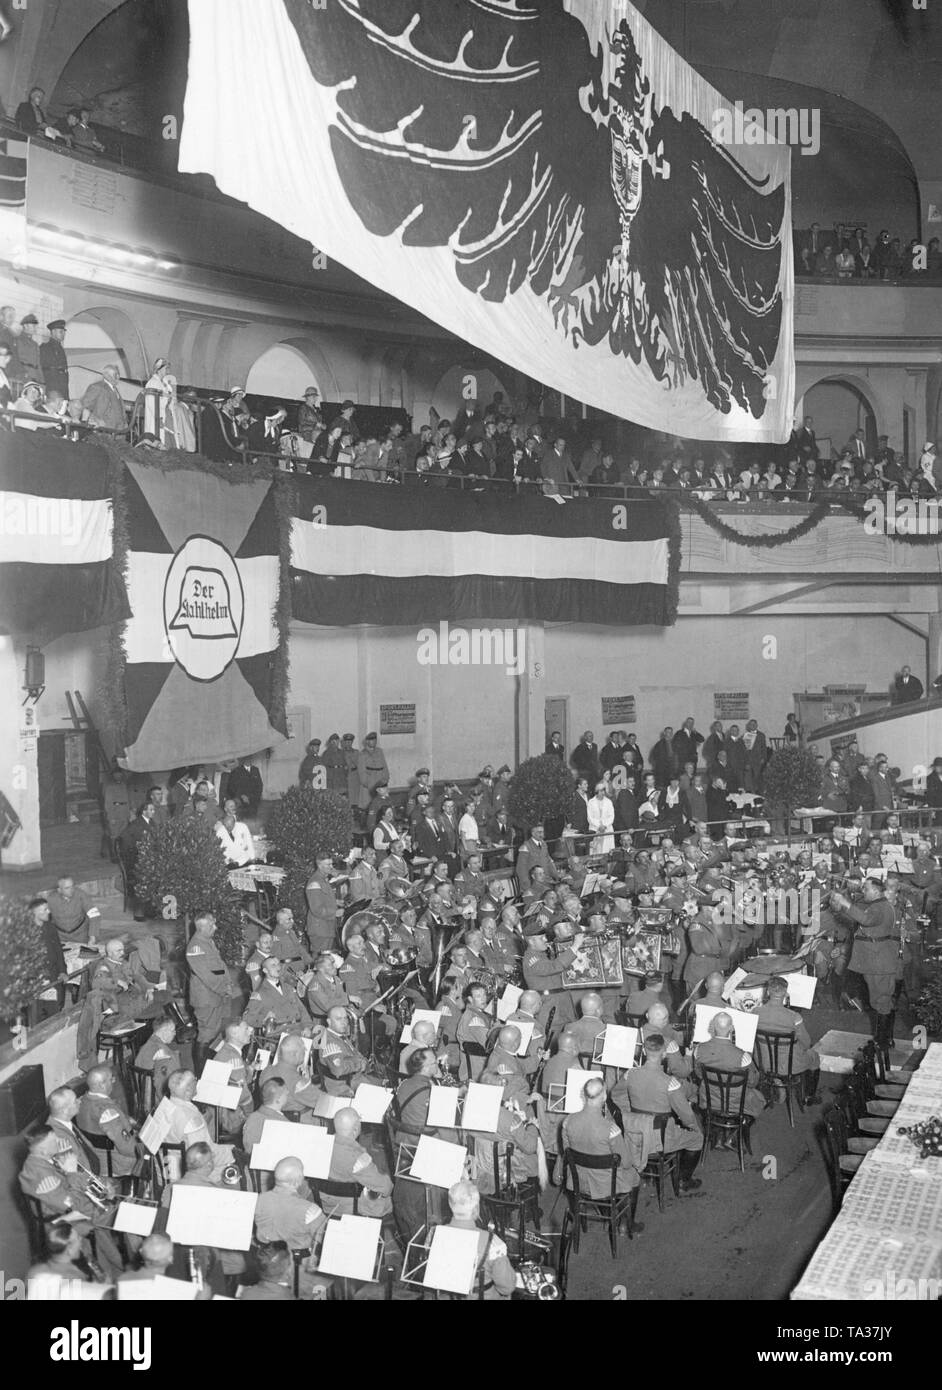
point(396, 719)
point(731, 704)
point(619, 709)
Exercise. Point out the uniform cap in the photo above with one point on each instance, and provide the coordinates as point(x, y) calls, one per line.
point(55, 323)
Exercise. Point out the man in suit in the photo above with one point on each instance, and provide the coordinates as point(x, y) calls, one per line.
point(102, 402)
point(468, 423)
point(245, 786)
point(811, 244)
point(856, 446)
point(687, 743)
point(906, 687)
point(555, 747)
point(585, 757)
point(430, 839)
point(663, 758)
point(882, 784)
point(804, 440)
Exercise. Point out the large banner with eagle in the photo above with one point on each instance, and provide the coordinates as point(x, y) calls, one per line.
point(545, 180)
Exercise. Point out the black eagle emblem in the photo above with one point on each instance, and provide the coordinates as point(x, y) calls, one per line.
point(493, 128)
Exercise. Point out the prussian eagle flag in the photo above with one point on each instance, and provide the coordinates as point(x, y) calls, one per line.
point(203, 579)
point(57, 572)
point(548, 181)
point(365, 553)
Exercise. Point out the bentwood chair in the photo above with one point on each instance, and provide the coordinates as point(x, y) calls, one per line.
point(583, 1209)
point(841, 1165)
point(661, 1166)
point(774, 1055)
point(723, 1112)
point(511, 1204)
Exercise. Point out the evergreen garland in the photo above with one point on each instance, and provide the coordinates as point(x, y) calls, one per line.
point(24, 966)
point(794, 533)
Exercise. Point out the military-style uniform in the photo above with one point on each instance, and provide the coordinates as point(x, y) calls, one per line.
point(210, 986)
point(288, 947)
point(876, 949)
point(406, 938)
point(55, 366)
point(775, 1018)
point(591, 1132)
point(358, 981)
point(544, 973)
point(350, 1162)
point(160, 1059)
point(512, 1127)
point(188, 1126)
point(650, 1090)
point(364, 882)
point(500, 1278)
point(498, 954)
point(468, 882)
point(371, 770)
point(255, 1123)
point(59, 1193)
point(510, 1070)
point(530, 855)
point(288, 1217)
point(705, 953)
point(322, 910)
point(253, 966)
point(324, 995)
point(122, 991)
point(721, 1053)
point(303, 1095)
point(342, 1065)
point(474, 1027)
point(531, 1059)
point(239, 1075)
point(281, 1006)
point(98, 1114)
point(585, 1031)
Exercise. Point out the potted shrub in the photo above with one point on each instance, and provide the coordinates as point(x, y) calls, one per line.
point(541, 790)
point(181, 870)
point(791, 778)
point(307, 822)
point(23, 964)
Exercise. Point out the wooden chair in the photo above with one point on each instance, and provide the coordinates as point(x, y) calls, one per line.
point(842, 1165)
point(661, 1166)
point(888, 1084)
point(469, 1050)
point(855, 1093)
point(511, 1204)
point(724, 1109)
point(583, 1209)
point(328, 1187)
point(774, 1056)
point(120, 1049)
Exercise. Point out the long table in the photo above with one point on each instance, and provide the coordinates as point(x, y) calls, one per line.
point(886, 1243)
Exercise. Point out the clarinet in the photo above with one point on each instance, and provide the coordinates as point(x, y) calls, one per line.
point(538, 1077)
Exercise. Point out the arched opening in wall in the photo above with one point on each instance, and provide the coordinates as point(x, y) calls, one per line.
point(459, 385)
point(839, 409)
point(282, 371)
point(97, 338)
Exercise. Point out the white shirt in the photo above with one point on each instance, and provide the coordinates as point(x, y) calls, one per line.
point(468, 829)
point(237, 846)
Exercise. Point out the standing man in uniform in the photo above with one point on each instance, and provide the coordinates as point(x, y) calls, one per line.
point(371, 771)
point(323, 908)
point(210, 986)
point(543, 972)
point(52, 359)
point(875, 953)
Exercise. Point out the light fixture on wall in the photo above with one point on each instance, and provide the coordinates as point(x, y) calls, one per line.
point(98, 251)
point(34, 677)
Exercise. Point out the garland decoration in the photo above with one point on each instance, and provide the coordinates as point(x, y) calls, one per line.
point(794, 533)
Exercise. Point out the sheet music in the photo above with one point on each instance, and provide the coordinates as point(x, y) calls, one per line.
point(216, 1093)
point(618, 1046)
point(312, 1144)
point(216, 1216)
point(801, 990)
point(481, 1108)
point(350, 1247)
point(508, 1002)
point(452, 1260)
point(442, 1107)
point(438, 1163)
point(157, 1126)
point(733, 982)
point(428, 1015)
point(326, 1106)
point(744, 1025)
point(526, 1035)
point(134, 1218)
point(371, 1102)
point(576, 1079)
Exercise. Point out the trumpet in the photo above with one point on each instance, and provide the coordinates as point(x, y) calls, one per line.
point(95, 1190)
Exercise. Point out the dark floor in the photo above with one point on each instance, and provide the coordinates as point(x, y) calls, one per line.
point(742, 1236)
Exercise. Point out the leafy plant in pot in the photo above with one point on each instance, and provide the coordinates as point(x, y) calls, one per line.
point(541, 791)
point(23, 963)
point(181, 871)
point(307, 822)
point(791, 778)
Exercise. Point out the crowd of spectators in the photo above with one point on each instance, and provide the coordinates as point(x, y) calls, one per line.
point(847, 253)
